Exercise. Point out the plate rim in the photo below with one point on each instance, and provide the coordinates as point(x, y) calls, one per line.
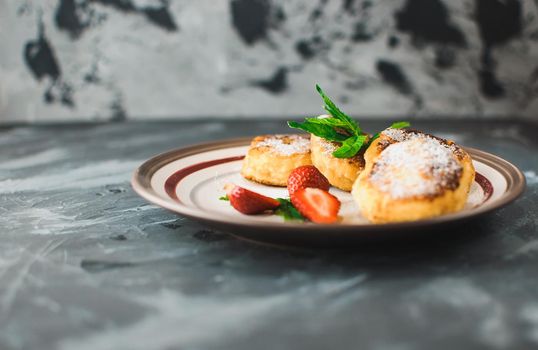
point(141, 184)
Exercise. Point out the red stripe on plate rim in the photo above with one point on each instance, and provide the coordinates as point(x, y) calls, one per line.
point(173, 180)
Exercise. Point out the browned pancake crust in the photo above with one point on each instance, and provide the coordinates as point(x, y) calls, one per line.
point(341, 172)
point(447, 190)
point(271, 158)
point(386, 141)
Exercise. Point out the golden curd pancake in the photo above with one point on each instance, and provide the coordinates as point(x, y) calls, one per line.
point(410, 175)
point(341, 172)
point(271, 158)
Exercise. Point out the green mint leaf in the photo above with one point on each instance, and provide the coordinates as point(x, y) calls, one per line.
point(224, 198)
point(287, 211)
point(336, 123)
point(337, 128)
point(400, 125)
point(350, 147)
point(333, 110)
point(321, 130)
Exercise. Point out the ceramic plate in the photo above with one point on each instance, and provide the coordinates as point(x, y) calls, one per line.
point(190, 181)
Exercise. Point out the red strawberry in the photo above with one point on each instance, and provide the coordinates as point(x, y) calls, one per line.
point(317, 205)
point(248, 202)
point(307, 176)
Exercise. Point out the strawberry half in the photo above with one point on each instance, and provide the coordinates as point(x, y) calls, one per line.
point(307, 176)
point(317, 205)
point(249, 202)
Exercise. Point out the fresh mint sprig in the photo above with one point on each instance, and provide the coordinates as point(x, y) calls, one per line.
point(287, 211)
point(339, 127)
point(350, 147)
point(331, 108)
point(320, 128)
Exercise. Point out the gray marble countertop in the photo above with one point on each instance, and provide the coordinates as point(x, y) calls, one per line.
point(87, 264)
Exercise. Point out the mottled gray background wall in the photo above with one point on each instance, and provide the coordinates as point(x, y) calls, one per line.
point(71, 60)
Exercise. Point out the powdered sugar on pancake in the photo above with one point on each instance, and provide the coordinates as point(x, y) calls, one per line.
point(417, 165)
point(396, 134)
point(405, 134)
point(286, 145)
point(328, 147)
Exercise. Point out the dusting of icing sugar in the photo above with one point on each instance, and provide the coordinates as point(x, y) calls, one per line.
point(416, 166)
point(403, 135)
point(286, 144)
point(328, 147)
point(395, 134)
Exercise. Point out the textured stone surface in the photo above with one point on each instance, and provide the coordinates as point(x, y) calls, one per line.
point(87, 264)
point(115, 59)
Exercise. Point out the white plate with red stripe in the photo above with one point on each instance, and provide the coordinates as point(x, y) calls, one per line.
point(190, 181)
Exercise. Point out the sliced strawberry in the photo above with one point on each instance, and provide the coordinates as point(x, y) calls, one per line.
point(248, 202)
point(307, 176)
point(317, 205)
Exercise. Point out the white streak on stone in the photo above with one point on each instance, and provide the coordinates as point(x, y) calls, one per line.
point(456, 292)
point(146, 3)
point(529, 314)
point(40, 158)
point(8, 295)
point(140, 208)
point(185, 321)
point(135, 141)
point(87, 176)
point(527, 248)
point(532, 178)
point(198, 322)
point(167, 221)
point(41, 221)
point(47, 303)
point(461, 295)
point(341, 286)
